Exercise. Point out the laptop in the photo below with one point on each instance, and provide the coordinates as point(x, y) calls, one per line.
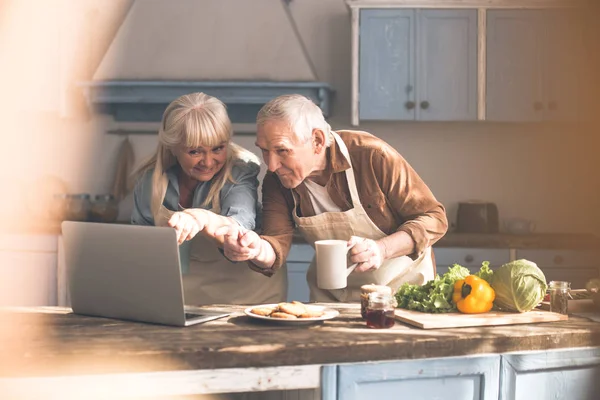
point(127, 272)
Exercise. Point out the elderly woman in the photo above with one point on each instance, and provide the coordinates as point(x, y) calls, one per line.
point(196, 182)
point(345, 185)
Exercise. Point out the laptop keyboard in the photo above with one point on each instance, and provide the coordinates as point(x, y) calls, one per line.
point(192, 316)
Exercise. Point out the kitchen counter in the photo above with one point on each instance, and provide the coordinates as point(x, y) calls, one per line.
point(574, 241)
point(51, 343)
point(52, 340)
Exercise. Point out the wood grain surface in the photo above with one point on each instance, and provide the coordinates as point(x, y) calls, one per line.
point(53, 341)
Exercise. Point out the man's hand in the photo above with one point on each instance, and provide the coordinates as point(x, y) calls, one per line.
point(186, 225)
point(366, 252)
point(240, 244)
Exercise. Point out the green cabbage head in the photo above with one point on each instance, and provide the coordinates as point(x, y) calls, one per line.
point(519, 285)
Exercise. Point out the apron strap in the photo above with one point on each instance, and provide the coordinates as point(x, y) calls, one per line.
point(350, 171)
point(356, 204)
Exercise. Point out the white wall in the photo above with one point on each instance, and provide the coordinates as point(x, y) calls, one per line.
point(546, 173)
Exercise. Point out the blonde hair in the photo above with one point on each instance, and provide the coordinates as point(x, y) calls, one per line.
point(193, 120)
point(300, 112)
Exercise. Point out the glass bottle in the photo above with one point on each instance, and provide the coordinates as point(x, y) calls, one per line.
point(365, 290)
point(104, 208)
point(79, 207)
point(380, 310)
point(559, 296)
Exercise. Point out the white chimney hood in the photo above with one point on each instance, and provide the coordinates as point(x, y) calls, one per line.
point(242, 52)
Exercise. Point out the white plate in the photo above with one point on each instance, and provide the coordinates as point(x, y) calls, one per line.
point(328, 314)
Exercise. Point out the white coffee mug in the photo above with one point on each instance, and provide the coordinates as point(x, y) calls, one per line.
point(332, 264)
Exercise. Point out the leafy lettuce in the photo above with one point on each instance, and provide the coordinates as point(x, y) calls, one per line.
point(434, 296)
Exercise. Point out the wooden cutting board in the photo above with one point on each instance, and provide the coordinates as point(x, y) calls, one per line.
point(459, 320)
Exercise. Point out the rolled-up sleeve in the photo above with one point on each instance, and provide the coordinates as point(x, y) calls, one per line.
point(142, 193)
point(277, 222)
point(409, 197)
point(240, 199)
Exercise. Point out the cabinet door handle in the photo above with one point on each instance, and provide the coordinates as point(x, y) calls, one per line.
point(409, 105)
point(469, 258)
point(538, 106)
point(425, 105)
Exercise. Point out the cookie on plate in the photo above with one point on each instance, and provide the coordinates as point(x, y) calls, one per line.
point(312, 313)
point(292, 308)
point(263, 311)
point(279, 314)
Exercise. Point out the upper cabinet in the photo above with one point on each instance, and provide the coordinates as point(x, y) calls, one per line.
point(417, 64)
point(464, 60)
point(533, 65)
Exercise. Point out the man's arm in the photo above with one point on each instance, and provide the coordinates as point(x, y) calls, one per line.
point(277, 221)
point(407, 194)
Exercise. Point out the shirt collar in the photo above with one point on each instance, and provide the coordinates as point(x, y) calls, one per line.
point(337, 159)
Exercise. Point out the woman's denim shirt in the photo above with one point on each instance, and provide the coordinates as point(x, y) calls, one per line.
point(239, 200)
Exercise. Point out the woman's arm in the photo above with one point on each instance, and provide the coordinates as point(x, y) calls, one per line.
point(238, 204)
point(207, 223)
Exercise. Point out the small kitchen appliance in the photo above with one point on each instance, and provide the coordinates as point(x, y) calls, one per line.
point(477, 217)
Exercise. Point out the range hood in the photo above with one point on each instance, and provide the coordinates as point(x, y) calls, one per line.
point(244, 53)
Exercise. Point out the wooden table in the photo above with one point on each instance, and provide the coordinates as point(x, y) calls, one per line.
point(50, 350)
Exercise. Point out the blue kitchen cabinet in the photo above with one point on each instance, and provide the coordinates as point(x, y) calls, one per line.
point(387, 64)
point(454, 378)
point(533, 65)
point(565, 57)
point(298, 261)
point(417, 64)
point(560, 374)
point(514, 63)
point(447, 65)
point(533, 375)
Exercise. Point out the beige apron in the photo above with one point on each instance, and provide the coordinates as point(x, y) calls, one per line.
point(212, 279)
point(356, 222)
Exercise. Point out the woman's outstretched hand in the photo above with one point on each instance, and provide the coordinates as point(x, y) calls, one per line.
point(186, 224)
point(240, 244)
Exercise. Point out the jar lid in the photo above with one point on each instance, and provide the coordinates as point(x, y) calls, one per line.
point(372, 288)
point(379, 297)
point(559, 285)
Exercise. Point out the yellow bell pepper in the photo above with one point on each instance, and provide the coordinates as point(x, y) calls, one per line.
point(473, 295)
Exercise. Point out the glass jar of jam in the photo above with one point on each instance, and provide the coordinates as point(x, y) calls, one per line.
point(380, 311)
point(364, 295)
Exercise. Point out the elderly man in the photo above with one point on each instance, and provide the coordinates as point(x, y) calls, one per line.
point(346, 185)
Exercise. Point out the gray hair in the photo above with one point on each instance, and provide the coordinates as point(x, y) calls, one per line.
point(300, 112)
